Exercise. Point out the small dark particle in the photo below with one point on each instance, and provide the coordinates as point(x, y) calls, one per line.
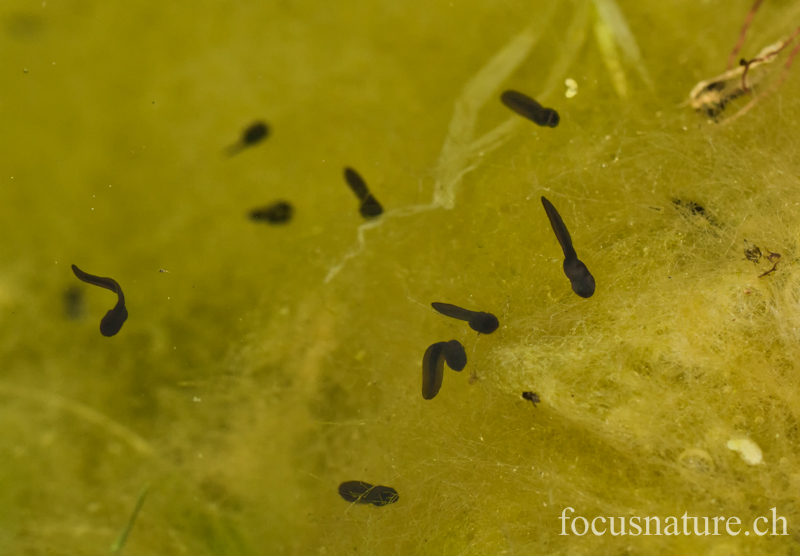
point(73, 303)
point(432, 370)
point(485, 323)
point(579, 276)
point(772, 257)
point(163, 270)
point(279, 212)
point(691, 206)
point(770, 271)
point(751, 252)
point(360, 492)
point(369, 207)
point(252, 135)
point(454, 355)
point(355, 491)
point(532, 397)
point(695, 210)
point(112, 322)
point(528, 108)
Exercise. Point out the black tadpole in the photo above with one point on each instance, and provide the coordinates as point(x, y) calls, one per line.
point(115, 318)
point(579, 276)
point(532, 397)
point(433, 361)
point(252, 135)
point(369, 206)
point(360, 492)
point(279, 212)
point(432, 370)
point(455, 355)
point(485, 323)
point(528, 108)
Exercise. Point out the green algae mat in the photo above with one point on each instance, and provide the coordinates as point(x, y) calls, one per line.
point(264, 394)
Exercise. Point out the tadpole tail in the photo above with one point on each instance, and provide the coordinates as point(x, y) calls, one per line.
point(560, 229)
point(107, 283)
point(453, 311)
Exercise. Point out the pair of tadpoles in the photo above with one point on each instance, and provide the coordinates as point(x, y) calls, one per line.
point(451, 352)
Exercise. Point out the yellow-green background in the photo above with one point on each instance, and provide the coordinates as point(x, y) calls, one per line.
point(244, 388)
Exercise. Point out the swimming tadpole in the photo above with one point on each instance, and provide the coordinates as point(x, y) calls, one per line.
point(252, 135)
point(528, 108)
point(579, 276)
point(116, 317)
point(279, 212)
point(485, 323)
point(369, 207)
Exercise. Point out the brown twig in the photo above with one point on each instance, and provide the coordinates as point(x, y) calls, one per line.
point(784, 74)
point(748, 63)
point(743, 32)
point(771, 270)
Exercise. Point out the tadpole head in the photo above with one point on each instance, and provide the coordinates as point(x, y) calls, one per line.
point(255, 133)
point(585, 286)
point(549, 118)
point(113, 321)
point(455, 355)
point(370, 207)
point(485, 323)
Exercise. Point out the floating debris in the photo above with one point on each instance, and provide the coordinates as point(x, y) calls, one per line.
point(752, 252)
point(572, 88)
point(747, 449)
